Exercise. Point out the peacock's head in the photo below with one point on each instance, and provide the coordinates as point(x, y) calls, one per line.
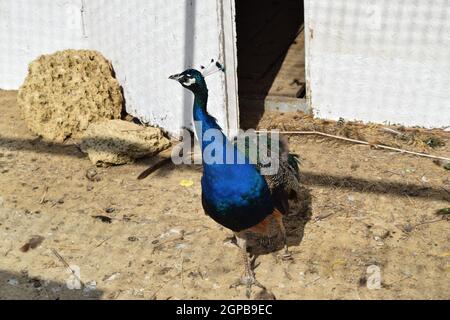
point(190, 79)
point(194, 80)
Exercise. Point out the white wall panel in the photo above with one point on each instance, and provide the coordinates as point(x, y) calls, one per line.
point(380, 60)
point(146, 41)
point(29, 28)
point(372, 60)
point(149, 40)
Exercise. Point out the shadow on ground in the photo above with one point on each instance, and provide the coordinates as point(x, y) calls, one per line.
point(14, 286)
point(309, 178)
point(295, 222)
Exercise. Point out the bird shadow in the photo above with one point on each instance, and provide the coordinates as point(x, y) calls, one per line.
point(300, 213)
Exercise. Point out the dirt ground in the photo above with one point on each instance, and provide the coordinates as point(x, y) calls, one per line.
point(368, 208)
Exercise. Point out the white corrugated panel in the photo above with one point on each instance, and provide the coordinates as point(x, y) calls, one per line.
point(380, 60)
point(29, 28)
point(146, 40)
point(150, 40)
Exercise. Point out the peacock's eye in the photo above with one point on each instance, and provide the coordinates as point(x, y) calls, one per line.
point(188, 80)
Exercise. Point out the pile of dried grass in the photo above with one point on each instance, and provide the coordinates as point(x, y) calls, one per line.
point(414, 139)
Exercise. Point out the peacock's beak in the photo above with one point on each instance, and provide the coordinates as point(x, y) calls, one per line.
point(176, 77)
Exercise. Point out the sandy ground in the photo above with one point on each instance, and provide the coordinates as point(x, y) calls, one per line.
point(367, 208)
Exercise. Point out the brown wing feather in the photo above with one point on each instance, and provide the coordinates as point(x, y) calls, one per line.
point(263, 227)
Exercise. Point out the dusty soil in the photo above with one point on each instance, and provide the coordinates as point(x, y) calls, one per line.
point(367, 207)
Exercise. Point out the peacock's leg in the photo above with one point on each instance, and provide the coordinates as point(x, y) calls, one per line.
point(287, 254)
point(248, 279)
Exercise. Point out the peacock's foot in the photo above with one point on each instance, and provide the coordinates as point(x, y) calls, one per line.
point(286, 255)
point(248, 280)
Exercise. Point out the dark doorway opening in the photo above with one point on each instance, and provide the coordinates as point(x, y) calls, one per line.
point(271, 56)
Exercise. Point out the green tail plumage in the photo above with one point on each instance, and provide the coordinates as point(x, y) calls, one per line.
point(287, 180)
point(294, 163)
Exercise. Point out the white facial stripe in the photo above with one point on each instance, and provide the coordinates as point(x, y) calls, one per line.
point(189, 82)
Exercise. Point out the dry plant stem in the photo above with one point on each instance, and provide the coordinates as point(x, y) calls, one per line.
point(60, 258)
point(380, 146)
point(44, 195)
point(428, 222)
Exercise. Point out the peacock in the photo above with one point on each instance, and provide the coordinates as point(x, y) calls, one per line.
point(237, 195)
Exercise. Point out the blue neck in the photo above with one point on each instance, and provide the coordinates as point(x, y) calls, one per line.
point(207, 122)
point(201, 116)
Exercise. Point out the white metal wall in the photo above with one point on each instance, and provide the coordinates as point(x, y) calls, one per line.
point(372, 60)
point(150, 40)
point(380, 60)
point(146, 40)
point(31, 28)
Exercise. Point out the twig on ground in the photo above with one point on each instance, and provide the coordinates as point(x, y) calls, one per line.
point(379, 146)
point(323, 216)
point(428, 222)
point(64, 262)
point(138, 189)
point(312, 281)
point(9, 250)
point(400, 280)
point(103, 241)
point(42, 201)
point(392, 131)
